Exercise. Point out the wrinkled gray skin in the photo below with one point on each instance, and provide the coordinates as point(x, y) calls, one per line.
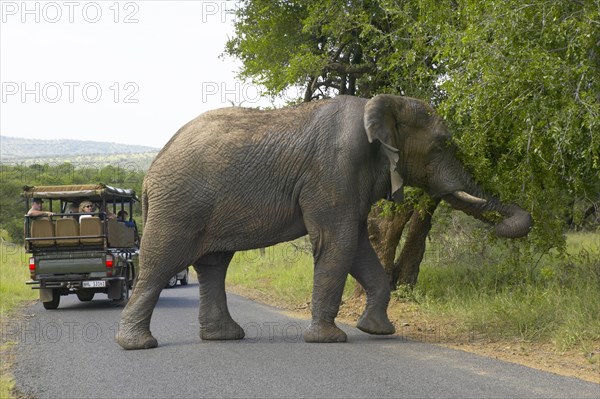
point(235, 179)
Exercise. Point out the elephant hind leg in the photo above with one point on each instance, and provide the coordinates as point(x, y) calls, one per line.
point(158, 263)
point(367, 270)
point(134, 328)
point(215, 321)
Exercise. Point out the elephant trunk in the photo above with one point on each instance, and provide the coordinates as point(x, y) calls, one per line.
point(517, 223)
point(469, 197)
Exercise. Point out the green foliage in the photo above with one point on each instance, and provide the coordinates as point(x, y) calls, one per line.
point(522, 87)
point(517, 82)
point(327, 47)
point(270, 33)
point(487, 286)
point(131, 162)
point(13, 274)
point(14, 177)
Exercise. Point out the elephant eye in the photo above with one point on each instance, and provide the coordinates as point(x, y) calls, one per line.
point(434, 154)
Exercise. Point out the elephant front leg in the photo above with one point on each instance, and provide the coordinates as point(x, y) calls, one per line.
point(333, 253)
point(367, 270)
point(215, 321)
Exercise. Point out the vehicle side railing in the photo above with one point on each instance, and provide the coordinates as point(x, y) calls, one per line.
point(62, 230)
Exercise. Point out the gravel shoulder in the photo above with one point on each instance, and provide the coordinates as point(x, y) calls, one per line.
point(415, 326)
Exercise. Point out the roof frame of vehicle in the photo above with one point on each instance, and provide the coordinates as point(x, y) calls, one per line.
point(91, 192)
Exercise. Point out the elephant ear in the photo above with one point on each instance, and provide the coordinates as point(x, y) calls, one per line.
point(380, 124)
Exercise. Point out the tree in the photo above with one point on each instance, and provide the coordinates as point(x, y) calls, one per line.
point(357, 48)
point(345, 47)
point(518, 83)
point(523, 96)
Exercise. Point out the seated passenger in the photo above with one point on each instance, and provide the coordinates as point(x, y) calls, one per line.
point(109, 214)
point(71, 208)
point(36, 208)
point(122, 216)
point(86, 207)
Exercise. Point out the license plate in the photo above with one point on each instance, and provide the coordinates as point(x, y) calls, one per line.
point(94, 284)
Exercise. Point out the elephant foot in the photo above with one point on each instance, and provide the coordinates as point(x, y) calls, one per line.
point(144, 340)
point(374, 322)
point(221, 331)
point(324, 332)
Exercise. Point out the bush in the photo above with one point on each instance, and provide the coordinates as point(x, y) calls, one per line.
point(503, 289)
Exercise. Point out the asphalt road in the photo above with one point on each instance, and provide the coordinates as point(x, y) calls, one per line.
point(70, 353)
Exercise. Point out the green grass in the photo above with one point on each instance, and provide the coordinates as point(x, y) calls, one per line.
point(14, 272)
point(6, 386)
point(506, 294)
point(283, 272)
point(13, 292)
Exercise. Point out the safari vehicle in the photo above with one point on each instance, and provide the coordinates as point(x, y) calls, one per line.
point(82, 256)
point(182, 277)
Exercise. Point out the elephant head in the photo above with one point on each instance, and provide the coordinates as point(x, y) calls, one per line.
point(417, 144)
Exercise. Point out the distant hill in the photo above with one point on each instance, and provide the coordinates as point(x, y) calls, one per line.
point(18, 148)
point(80, 153)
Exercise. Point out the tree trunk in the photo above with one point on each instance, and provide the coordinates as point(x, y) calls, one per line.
point(406, 268)
point(592, 210)
point(384, 233)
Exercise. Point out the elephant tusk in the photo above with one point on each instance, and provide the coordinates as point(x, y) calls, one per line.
point(464, 196)
point(389, 147)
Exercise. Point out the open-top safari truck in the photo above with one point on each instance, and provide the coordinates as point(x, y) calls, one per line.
point(92, 254)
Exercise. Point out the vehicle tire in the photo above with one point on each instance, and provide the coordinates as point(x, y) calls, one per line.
point(130, 275)
point(53, 304)
point(184, 280)
point(172, 282)
point(124, 295)
point(85, 296)
point(126, 289)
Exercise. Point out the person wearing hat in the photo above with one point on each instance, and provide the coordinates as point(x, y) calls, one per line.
point(36, 209)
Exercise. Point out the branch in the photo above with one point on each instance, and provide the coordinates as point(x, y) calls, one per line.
point(310, 88)
point(338, 52)
point(350, 69)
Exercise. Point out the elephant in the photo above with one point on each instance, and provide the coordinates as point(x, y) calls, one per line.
point(235, 179)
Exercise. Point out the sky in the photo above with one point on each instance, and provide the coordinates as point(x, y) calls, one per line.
point(129, 72)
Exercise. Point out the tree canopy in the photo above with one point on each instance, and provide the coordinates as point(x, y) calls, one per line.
point(518, 83)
